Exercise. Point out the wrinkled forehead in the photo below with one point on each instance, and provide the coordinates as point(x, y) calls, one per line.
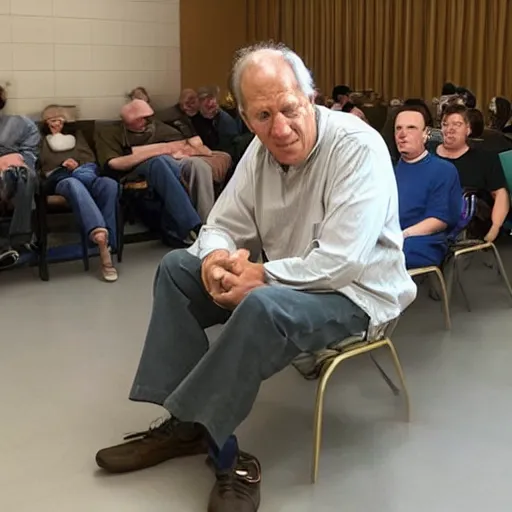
point(266, 81)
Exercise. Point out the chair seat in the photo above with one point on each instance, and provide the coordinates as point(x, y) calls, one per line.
point(135, 185)
point(310, 364)
point(56, 201)
point(422, 270)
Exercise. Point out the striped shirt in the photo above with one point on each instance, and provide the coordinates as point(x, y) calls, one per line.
point(329, 224)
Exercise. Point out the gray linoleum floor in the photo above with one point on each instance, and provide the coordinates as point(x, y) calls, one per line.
point(69, 349)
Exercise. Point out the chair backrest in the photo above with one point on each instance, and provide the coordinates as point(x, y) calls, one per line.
point(506, 163)
point(468, 210)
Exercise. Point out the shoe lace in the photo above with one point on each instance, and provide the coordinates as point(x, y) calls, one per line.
point(159, 427)
point(246, 471)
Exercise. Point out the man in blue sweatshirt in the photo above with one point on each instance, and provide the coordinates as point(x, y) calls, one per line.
point(429, 192)
point(19, 140)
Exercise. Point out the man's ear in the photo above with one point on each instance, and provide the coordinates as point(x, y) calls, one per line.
point(245, 120)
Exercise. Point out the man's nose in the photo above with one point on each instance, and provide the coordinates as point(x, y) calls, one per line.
point(280, 127)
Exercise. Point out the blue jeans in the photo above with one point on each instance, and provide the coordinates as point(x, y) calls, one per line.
point(163, 176)
point(93, 199)
point(215, 385)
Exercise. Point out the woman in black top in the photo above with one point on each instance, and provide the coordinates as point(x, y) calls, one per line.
point(479, 171)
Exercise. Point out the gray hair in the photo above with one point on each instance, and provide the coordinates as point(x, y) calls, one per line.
point(244, 57)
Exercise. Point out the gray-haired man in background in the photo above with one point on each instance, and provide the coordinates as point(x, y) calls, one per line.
point(19, 141)
point(316, 192)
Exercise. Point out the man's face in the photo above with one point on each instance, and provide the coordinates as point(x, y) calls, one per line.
point(209, 106)
point(410, 134)
point(279, 114)
point(190, 104)
point(455, 131)
point(137, 125)
point(55, 124)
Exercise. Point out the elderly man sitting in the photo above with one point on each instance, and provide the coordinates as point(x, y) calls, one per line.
point(316, 192)
point(216, 127)
point(142, 146)
point(180, 117)
point(19, 141)
point(429, 192)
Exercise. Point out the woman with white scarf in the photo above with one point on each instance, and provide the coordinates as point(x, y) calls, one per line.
point(70, 168)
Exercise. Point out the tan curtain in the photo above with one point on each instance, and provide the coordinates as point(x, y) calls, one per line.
point(399, 48)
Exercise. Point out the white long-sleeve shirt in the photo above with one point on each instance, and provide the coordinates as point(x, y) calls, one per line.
point(329, 224)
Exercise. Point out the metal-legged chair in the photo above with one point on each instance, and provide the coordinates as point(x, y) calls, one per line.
point(444, 291)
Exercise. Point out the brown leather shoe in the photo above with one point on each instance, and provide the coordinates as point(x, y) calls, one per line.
point(161, 442)
point(238, 489)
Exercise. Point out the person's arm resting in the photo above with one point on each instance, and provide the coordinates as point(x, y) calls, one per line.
point(356, 209)
point(426, 227)
point(139, 154)
point(501, 207)
point(496, 184)
point(444, 205)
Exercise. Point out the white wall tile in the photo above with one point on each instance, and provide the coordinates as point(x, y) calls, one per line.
point(74, 8)
point(89, 53)
point(32, 84)
point(69, 57)
point(26, 29)
point(5, 29)
point(5, 6)
point(173, 59)
point(107, 32)
point(139, 34)
point(173, 34)
point(71, 31)
point(101, 108)
point(32, 57)
point(6, 53)
point(116, 58)
point(32, 7)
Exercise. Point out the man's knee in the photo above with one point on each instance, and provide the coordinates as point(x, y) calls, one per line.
point(260, 301)
point(178, 260)
point(110, 185)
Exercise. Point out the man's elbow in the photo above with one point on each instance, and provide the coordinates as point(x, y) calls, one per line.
point(116, 164)
point(501, 194)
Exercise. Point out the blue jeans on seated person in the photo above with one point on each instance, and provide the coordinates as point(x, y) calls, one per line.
point(216, 384)
point(425, 251)
point(93, 199)
point(163, 176)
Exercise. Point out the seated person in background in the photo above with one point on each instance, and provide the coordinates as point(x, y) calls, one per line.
point(500, 111)
point(139, 93)
point(476, 124)
point(350, 108)
point(480, 171)
point(333, 240)
point(69, 165)
point(179, 116)
point(467, 97)
point(217, 129)
point(429, 192)
point(19, 140)
point(340, 96)
point(449, 89)
point(140, 146)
